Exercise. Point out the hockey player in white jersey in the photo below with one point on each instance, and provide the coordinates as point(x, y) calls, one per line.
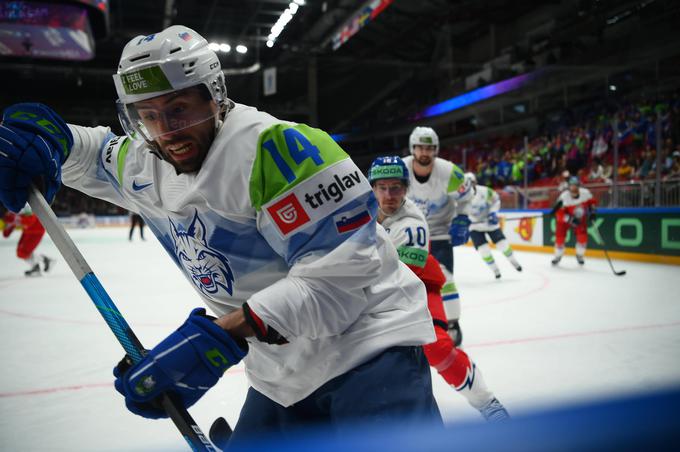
point(273, 225)
point(407, 228)
point(434, 184)
point(481, 206)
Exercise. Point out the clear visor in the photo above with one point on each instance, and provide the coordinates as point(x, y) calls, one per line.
point(168, 114)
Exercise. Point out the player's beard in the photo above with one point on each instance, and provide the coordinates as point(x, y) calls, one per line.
point(424, 160)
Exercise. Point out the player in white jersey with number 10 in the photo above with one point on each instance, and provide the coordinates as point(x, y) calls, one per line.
point(407, 228)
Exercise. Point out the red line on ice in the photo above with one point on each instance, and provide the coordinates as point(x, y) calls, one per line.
point(74, 321)
point(574, 334)
point(37, 392)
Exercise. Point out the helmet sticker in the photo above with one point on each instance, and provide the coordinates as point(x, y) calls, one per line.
point(147, 80)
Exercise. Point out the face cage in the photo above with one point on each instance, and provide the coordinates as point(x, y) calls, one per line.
point(136, 131)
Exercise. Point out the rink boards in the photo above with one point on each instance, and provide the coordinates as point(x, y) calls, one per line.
point(641, 234)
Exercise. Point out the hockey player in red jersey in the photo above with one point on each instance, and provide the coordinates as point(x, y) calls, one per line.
point(407, 228)
point(575, 208)
point(31, 236)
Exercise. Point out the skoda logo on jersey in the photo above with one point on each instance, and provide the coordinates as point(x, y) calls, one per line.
point(208, 269)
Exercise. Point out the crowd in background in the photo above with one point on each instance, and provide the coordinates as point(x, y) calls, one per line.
point(581, 142)
point(577, 141)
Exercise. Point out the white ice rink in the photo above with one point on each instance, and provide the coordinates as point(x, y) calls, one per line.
point(542, 337)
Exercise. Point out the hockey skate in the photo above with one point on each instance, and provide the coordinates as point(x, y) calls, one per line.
point(494, 411)
point(518, 268)
point(47, 263)
point(580, 260)
point(497, 274)
point(556, 260)
point(34, 271)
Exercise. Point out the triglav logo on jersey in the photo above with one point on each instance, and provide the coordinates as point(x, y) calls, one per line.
point(288, 214)
point(207, 267)
point(317, 197)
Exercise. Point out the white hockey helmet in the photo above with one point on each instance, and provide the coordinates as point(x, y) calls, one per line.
point(423, 136)
point(471, 178)
point(171, 60)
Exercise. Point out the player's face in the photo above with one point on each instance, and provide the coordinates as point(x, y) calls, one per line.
point(390, 194)
point(424, 154)
point(182, 124)
point(573, 189)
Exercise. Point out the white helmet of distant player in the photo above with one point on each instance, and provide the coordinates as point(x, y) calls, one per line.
point(423, 136)
point(171, 60)
point(470, 179)
point(467, 188)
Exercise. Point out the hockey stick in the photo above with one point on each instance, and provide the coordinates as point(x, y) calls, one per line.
point(606, 254)
point(80, 268)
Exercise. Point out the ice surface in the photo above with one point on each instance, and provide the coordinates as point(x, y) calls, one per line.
point(542, 337)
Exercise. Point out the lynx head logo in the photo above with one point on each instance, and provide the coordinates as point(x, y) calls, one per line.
point(207, 267)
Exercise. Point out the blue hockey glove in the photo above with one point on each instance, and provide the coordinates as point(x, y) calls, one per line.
point(460, 230)
point(187, 363)
point(492, 218)
point(34, 143)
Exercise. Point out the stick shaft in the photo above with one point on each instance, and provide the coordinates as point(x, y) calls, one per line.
point(606, 254)
point(115, 320)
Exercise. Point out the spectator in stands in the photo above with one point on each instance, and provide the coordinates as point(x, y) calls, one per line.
point(504, 170)
point(596, 173)
point(674, 173)
point(517, 169)
point(626, 171)
point(648, 163)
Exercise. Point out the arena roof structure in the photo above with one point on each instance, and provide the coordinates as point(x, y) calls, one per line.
point(367, 71)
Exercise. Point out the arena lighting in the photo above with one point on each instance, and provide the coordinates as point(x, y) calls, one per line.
point(612, 87)
point(226, 48)
point(477, 95)
point(284, 18)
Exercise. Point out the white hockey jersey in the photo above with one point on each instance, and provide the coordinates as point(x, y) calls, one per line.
point(484, 200)
point(407, 229)
point(436, 198)
point(584, 197)
point(280, 217)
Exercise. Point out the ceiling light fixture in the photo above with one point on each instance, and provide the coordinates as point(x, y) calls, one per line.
point(284, 18)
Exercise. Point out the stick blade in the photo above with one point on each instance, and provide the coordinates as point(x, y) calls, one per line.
point(620, 273)
point(220, 432)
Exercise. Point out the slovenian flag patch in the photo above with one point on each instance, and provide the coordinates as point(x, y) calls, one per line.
point(351, 220)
